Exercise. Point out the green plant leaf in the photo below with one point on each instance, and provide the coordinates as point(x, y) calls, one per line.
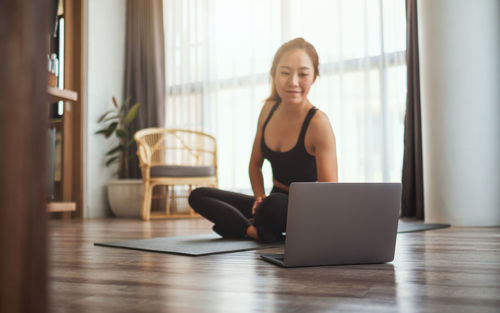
point(102, 131)
point(111, 160)
point(118, 148)
point(111, 129)
point(104, 116)
point(132, 113)
point(115, 117)
point(121, 133)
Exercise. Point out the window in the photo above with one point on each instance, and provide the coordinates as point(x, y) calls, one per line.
point(218, 56)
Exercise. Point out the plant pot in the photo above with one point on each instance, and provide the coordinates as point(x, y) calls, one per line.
point(125, 197)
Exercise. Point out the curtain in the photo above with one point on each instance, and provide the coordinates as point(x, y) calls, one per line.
point(218, 56)
point(144, 68)
point(412, 202)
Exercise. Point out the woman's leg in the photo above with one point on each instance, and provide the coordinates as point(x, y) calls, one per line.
point(270, 218)
point(229, 211)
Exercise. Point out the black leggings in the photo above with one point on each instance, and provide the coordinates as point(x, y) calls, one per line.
point(231, 212)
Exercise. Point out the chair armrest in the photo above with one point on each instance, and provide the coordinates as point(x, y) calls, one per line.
point(144, 154)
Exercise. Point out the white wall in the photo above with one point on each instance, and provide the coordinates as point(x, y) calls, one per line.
point(105, 36)
point(460, 90)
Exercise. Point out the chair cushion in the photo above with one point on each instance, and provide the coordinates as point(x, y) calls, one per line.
point(182, 171)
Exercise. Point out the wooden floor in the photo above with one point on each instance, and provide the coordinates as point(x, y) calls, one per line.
point(446, 270)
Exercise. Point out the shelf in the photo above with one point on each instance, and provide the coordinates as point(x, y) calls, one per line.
point(56, 121)
point(57, 94)
point(61, 206)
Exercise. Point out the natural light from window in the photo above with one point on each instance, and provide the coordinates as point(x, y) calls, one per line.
point(219, 52)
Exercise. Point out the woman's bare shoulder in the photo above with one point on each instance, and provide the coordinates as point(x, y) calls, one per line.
point(320, 121)
point(319, 133)
point(320, 127)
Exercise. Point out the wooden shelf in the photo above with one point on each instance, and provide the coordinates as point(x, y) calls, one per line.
point(61, 206)
point(57, 94)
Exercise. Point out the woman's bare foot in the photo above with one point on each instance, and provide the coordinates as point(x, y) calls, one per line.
point(252, 232)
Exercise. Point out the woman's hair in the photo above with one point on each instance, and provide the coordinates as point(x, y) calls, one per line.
point(294, 44)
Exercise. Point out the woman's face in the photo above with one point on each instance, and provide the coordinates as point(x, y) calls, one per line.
point(294, 76)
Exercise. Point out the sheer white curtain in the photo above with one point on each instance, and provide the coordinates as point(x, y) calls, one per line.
point(218, 56)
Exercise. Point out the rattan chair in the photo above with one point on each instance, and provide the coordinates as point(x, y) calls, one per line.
point(169, 157)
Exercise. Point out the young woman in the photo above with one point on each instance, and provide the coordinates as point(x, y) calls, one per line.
point(294, 136)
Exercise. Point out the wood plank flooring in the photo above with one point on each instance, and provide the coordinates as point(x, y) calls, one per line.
point(446, 270)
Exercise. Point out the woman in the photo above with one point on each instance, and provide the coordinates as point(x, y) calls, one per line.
point(294, 136)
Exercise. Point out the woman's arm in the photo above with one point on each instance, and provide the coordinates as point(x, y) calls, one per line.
point(256, 159)
point(255, 169)
point(323, 144)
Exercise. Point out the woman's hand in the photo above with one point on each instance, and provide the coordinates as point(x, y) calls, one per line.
point(258, 200)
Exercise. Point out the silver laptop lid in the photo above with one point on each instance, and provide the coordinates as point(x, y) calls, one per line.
point(341, 223)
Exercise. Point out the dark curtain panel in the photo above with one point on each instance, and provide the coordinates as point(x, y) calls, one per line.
point(144, 68)
point(412, 202)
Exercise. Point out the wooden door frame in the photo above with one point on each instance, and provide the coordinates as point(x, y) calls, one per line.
point(24, 116)
point(73, 118)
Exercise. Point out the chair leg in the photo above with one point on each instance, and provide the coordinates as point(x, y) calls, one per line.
point(191, 211)
point(174, 203)
point(167, 202)
point(146, 202)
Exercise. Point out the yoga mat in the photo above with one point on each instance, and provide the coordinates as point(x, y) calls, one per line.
point(195, 245)
point(413, 226)
point(205, 244)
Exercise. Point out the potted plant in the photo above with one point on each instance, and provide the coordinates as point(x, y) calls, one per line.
point(124, 194)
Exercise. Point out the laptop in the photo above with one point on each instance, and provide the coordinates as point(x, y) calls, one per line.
point(340, 224)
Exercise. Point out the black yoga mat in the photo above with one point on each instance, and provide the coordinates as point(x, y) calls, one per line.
point(195, 245)
point(413, 226)
point(198, 245)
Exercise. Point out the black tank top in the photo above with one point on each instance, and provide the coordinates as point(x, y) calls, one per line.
point(295, 165)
